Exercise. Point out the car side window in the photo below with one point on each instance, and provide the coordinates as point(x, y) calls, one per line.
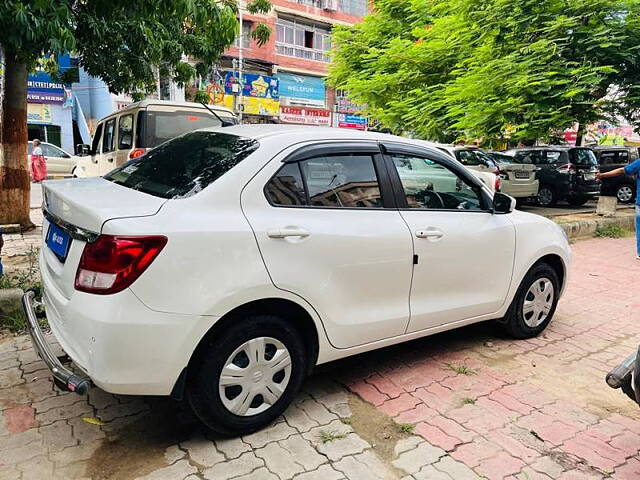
point(125, 132)
point(55, 152)
point(552, 157)
point(96, 139)
point(430, 185)
point(343, 181)
point(286, 187)
point(107, 137)
point(527, 157)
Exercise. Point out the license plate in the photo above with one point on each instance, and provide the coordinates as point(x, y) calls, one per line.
point(522, 174)
point(58, 241)
point(589, 176)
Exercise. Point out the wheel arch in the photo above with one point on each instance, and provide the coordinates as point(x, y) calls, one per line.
point(287, 309)
point(554, 261)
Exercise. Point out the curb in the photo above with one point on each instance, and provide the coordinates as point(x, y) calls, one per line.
point(10, 303)
point(587, 228)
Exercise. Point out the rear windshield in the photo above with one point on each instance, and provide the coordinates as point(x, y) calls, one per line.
point(156, 127)
point(185, 165)
point(584, 157)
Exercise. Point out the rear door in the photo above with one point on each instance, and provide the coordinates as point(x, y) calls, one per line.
point(586, 165)
point(326, 227)
point(125, 138)
point(464, 252)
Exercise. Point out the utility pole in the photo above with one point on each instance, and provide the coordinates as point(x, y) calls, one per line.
point(240, 79)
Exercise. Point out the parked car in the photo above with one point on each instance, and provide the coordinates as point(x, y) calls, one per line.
point(487, 176)
point(565, 173)
point(610, 158)
point(130, 132)
point(516, 180)
point(225, 264)
point(59, 162)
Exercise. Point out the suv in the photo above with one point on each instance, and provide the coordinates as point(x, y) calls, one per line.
point(225, 264)
point(565, 173)
point(610, 158)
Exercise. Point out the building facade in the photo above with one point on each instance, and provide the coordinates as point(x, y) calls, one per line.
point(284, 79)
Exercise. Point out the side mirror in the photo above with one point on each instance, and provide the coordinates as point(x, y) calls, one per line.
point(83, 149)
point(503, 203)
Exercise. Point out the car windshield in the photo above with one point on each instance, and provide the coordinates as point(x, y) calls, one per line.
point(185, 165)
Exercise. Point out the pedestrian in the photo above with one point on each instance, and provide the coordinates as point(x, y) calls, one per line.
point(38, 163)
point(633, 169)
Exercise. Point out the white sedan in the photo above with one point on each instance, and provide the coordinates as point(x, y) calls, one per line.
point(223, 265)
point(59, 162)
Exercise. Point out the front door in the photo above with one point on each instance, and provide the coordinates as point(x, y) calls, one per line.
point(328, 233)
point(107, 160)
point(464, 252)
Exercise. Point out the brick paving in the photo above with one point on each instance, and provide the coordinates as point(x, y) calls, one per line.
point(471, 403)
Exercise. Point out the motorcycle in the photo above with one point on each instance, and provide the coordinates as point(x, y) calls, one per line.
point(626, 376)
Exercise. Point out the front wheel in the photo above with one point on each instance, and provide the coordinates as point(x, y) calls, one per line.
point(534, 304)
point(247, 376)
point(624, 193)
point(546, 196)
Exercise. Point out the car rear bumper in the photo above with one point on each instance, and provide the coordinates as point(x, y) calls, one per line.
point(123, 346)
point(520, 190)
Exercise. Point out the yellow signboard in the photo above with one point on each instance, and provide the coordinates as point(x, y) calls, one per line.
point(39, 113)
point(255, 105)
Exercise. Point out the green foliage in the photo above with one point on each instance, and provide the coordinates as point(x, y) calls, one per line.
point(406, 427)
point(327, 436)
point(444, 69)
point(611, 231)
point(122, 41)
point(23, 277)
point(461, 369)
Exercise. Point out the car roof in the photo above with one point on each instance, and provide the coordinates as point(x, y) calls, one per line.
point(546, 147)
point(610, 147)
point(167, 103)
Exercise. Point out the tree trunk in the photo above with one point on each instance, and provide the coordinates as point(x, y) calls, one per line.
point(15, 185)
point(579, 134)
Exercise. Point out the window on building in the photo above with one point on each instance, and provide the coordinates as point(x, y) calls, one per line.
point(245, 34)
point(303, 40)
point(353, 7)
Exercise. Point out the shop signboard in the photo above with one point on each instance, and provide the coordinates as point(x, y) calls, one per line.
point(42, 89)
point(260, 94)
point(352, 120)
point(302, 89)
point(305, 116)
point(39, 113)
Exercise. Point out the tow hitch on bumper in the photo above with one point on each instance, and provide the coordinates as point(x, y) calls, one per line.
point(64, 378)
point(626, 376)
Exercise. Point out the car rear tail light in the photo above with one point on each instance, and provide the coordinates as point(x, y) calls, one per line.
point(498, 183)
point(137, 152)
point(569, 169)
point(113, 263)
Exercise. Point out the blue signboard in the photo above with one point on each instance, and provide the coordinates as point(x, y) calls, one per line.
point(301, 89)
point(42, 89)
point(260, 86)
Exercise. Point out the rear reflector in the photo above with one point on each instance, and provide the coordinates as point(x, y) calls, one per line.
point(113, 263)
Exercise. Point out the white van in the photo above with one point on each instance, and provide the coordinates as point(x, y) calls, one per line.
point(130, 132)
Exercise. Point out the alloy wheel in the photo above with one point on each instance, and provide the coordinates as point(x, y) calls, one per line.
point(538, 302)
point(545, 197)
point(624, 193)
point(255, 376)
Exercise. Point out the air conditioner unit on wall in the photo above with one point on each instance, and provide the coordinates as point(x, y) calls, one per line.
point(330, 5)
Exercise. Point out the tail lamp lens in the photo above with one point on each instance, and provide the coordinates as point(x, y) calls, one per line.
point(113, 263)
point(137, 152)
point(497, 184)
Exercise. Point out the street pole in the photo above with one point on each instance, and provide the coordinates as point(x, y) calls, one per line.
point(240, 79)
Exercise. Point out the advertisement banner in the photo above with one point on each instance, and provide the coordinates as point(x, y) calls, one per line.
point(255, 106)
point(305, 116)
point(39, 113)
point(302, 90)
point(260, 94)
point(352, 120)
point(259, 86)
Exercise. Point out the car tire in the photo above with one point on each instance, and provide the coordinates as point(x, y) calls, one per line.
point(547, 196)
point(532, 309)
point(625, 193)
point(577, 201)
point(225, 405)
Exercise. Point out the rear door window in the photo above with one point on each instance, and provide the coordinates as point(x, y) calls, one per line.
point(286, 188)
point(185, 165)
point(125, 132)
point(584, 157)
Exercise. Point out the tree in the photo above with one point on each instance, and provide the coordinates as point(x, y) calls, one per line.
point(445, 69)
point(124, 42)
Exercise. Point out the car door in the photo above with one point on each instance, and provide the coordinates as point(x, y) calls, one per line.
point(90, 165)
point(125, 138)
point(58, 161)
point(465, 253)
point(107, 160)
point(327, 230)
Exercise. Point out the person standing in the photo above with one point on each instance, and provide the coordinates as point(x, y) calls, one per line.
point(38, 163)
point(633, 169)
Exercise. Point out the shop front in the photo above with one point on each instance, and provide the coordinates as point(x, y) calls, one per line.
point(303, 100)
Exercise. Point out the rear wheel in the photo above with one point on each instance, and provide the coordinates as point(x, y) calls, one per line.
point(577, 201)
point(546, 196)
point(625, 193)
point(247, 376)
point(534, 303)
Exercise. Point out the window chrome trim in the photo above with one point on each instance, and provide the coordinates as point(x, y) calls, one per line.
point(74, 232)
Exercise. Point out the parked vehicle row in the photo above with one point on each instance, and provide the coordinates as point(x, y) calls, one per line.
point(222, 266)
point(611, 158)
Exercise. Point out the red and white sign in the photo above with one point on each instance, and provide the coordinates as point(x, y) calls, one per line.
point(305, 116)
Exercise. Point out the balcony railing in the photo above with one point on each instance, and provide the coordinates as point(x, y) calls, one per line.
point(302, 52)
